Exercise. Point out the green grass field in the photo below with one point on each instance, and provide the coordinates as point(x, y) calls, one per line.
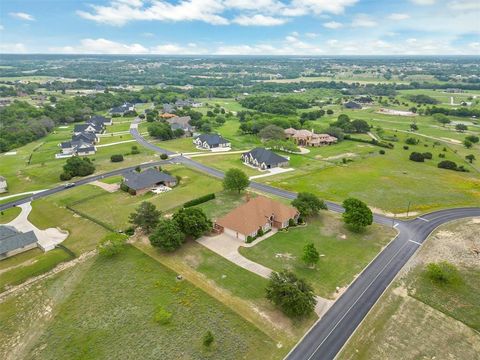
point(225, 162)
point(107, 309)
point(9, 214)
point(114, 208)
point(343, 253)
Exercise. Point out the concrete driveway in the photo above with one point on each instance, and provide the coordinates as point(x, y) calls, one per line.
point(47, 239)
point(227, 247)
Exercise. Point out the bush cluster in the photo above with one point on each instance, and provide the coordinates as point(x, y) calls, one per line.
point(199, 200)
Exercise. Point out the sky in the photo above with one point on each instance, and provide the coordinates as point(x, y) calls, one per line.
point(241, 27)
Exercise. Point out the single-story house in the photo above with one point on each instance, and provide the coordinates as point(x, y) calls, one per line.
point(144, 181)
point(181, 122)
point(168, 108)
point(257, 213)
point(77, 148)
point(352, 105)
point(264, 159)
point(3, 184)
point(122, 109)
point(13, 242)
point(211, 141)
point(309, 138)
point(100, 120)
point(89, 127)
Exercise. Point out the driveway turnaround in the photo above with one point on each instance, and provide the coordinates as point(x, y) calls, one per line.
point(47, 239)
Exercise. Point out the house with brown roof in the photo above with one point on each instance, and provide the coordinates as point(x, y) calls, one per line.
point(257, 213)
point(309, 138)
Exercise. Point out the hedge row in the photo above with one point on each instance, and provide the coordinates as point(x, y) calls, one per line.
point(199, 200)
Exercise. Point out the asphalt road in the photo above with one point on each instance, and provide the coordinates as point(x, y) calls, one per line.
point(328, 335)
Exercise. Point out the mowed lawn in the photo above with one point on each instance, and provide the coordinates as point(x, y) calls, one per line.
point(343, 253)
point(115, 208)
point(388, 182)
point(109, 314)
point(226, 162)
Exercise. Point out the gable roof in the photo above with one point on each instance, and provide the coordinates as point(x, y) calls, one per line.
point(182, 120)
point(212, 139)
point(263, 155)
point(11, 239)
point(250, 216)
point(98, 119)
point(146, 178)
point(85, 136)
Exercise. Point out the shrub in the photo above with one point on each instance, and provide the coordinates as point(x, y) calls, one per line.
point(291, 222)
point(162, 316)
point(447, 164)
point(412, 141)
point(416, 156)
point(111, 244)
point(135, 150)
point(208, 339)
point(260, 232)
point(442, 272)
point(116, 158)
point(199, 200)
point(130, 231)
point(406, 147)
point(427, 155)
point(250, 239)
point(132, 191)
point(441, 155)
point(164, 156)
point(65, 176)
point(381, 152)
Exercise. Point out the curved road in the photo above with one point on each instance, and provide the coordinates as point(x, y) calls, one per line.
point(328, 335)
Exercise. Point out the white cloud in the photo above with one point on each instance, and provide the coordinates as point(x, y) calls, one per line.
point(333, 25)
point(363, 20)
point(17, 48)
point(258, 20)
point(119, 12)
point(311, 35)
point(423, 2)
point(474, 46)
point(22, 16)
point(101, 46)
point(104, 46)
point(216, 12)
point(398, 16)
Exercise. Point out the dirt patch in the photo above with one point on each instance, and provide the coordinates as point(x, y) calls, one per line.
point(286, 256)
point(341, 156)
point(390, 214)
point(107, 187)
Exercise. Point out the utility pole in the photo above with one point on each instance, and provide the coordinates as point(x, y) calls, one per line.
point(408, 208)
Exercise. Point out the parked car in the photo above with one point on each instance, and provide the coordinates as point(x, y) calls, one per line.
point(68, 185)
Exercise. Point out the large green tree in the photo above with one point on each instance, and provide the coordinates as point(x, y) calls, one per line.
point(167, 235)
point(272, 132)
point(146, 217)
point(77, 166)
point(310, 255)
point(293, 295)
point(357, 214)
point(308, 204)
point(192, 222)
point(235, 180)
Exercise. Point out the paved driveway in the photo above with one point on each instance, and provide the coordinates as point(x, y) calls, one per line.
point(47, 238)
point(227, 247)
